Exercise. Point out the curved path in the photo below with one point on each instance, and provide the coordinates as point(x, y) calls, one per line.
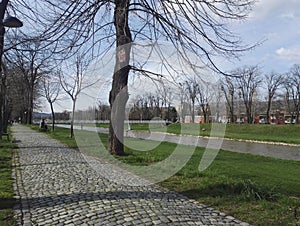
point(56, 186)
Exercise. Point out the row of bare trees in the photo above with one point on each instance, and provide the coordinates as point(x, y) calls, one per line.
point(244, 83)
point(248, 83)
point(150, 106)
point(30, 77)
point(196, 29)
point(21, 71)
point(200, 94)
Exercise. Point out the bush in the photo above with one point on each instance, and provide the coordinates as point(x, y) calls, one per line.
point(252, 190)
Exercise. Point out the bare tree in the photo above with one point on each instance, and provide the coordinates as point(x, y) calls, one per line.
point(75, 83)
point(3, 99)
point(292, 86)
point(165, 95)
point(204, 97)
point(15, 91)
point(183, 100)
point(229, 87)
point(3, 6)
point(192, 88)
point(219, 106)
point(51, 90)
point(248, 79)
point(102, 111)
point(31, 62)
point(272, 82)
point(288, 97)
point(196, 26)
point(3, 75)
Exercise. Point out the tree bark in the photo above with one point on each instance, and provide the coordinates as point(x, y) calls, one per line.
point(1, 110)
point(30, 109)
point(4, 102)
point(269, 109)
point(231, 109)
point(53, 115)
point(193, 111)
point(119, 93)
point(249, 113)
point(298, 108)
point(3, 6)
point(72, 119)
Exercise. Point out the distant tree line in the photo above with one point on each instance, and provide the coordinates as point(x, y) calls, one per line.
point(252, 92)
point(145, 107)
point(150, 106)
point(247, 91)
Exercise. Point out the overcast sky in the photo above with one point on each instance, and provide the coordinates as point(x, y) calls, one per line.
point(277, 22)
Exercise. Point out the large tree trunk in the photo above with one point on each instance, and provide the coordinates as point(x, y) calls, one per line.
point(193, 111)
point(1, 120)
point(3, 6)
point(269, 109)
point(2, 108)
point(119, 93)
point(5, 109)
point(31, 105)
point(72, 119)
point(53, 115)
point(231, 109)
point(249, 114)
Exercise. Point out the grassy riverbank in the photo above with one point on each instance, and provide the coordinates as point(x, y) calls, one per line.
point(261, 132)
point(255, 189)
point(6, 184)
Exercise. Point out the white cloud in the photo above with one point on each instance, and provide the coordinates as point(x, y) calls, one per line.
point(288, 54)
point(281, 8)
point(290, 15)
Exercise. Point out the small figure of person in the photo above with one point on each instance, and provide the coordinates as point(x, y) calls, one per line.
point(43, 125)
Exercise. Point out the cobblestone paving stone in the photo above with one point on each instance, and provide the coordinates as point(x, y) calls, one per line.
point(56, 186)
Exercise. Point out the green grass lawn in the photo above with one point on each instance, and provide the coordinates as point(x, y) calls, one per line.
point(277, 133)
point(6, 184)
point(252, 188)
point(255, 189)
point(260, 132)
point(102, 125)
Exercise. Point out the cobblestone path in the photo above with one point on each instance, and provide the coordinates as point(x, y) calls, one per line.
point(56, 186)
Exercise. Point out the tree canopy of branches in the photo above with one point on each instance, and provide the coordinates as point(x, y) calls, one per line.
point(149, 106)
point(248, 80)
point(74, 82)
point(196, 26)
point(3, 75)
point(192, 90)
point(31, 64)
point(272, 81)
point(228, 88)
point(50, 91)
point(292, 86)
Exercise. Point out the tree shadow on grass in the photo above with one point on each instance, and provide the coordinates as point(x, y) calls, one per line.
point(247, 189)
point(7, 203)
point(216, 190)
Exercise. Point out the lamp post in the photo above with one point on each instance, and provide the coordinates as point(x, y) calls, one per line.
point(11, 22)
